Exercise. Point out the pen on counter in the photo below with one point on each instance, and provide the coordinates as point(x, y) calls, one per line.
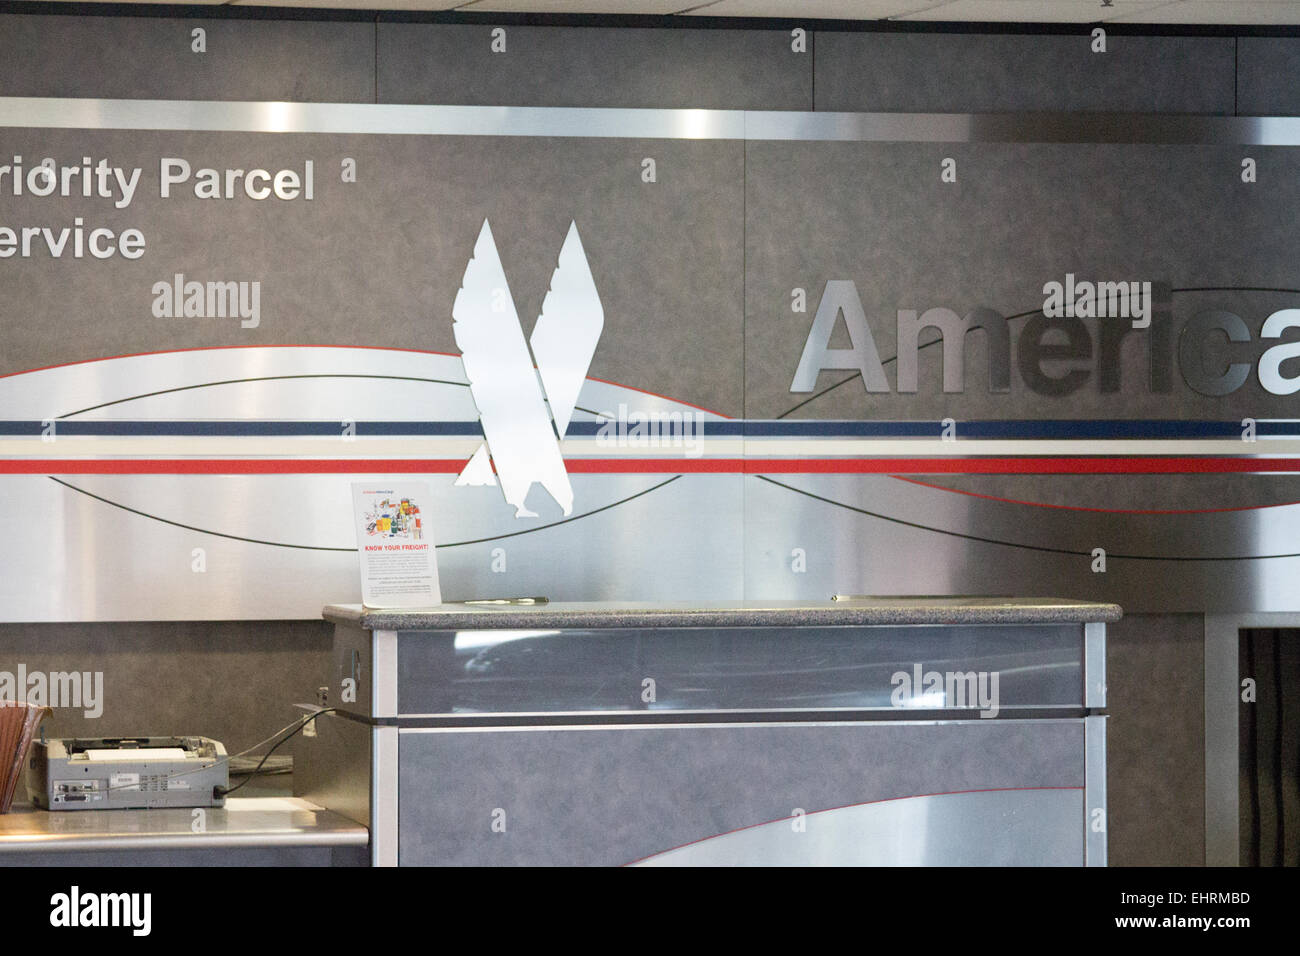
point(521, 600)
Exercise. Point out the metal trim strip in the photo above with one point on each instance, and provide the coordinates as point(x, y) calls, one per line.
point(123, 843)
point(1094, 793)
point(384, 781)
point(383, 689)
point(673, 124)
point(1023, 128)
point(856, 715)
point(531, 728)
point(370, 118)
point(1094, 665)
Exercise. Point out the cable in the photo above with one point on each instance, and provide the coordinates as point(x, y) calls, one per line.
point(242, 766)
point(220, 792)
point(291, 729)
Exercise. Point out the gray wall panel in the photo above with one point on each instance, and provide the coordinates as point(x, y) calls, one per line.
point(1018, 216)
point(1266, 76)
point(147, 58)
point(541, 66)
point(234, 682)
point(1155, 740)
point(960, 73)
point(378, 262)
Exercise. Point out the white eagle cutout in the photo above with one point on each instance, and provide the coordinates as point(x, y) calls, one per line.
point(511, 396)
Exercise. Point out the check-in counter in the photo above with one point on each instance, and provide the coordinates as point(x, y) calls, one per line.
point(883, 731)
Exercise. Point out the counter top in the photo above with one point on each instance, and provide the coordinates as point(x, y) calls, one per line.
point(857, 611)
point(242, 822)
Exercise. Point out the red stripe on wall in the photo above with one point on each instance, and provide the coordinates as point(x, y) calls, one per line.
point(1027, 465)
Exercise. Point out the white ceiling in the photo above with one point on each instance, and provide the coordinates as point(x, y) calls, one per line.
point(1221, 12)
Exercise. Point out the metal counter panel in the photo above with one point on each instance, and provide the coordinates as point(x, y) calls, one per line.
point(709, 669)
point(244, 823)
point(989, 828)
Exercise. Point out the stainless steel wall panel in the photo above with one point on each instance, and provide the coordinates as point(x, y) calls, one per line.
point(1138, 496)
point(100, 561)
point(879, 535)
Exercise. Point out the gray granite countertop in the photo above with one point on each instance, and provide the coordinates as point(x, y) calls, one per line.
point(848, 611)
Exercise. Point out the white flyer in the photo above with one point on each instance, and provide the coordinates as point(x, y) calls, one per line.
point(399, 565)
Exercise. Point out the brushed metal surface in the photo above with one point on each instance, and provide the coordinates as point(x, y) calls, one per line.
point(875, 534)
point(332, 768)
point(385, 667)
point(1094, 665)
point(243, 822)
point(1222, 743)
point(740, 669)
point(385, 783)
point(1095, 808)
point(382, 118)
point(1006, 828)
point(1023, 128)
point(608, 123)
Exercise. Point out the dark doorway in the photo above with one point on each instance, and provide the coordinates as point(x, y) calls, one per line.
point(1269, 725)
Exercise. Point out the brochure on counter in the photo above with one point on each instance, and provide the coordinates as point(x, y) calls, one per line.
point(399, 564)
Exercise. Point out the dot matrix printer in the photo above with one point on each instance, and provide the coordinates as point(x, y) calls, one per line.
point(125, 773)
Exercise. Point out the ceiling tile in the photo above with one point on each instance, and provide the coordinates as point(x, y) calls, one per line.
point(197, 2)
point(1032, 11)
point(577, 6)
point(346, 4)
point(810, 9)
point(1221, 12)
